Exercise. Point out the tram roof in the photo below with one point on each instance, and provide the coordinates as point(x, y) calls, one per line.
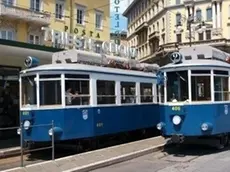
point(200, 57)
point(86, 68)
point(197, 63)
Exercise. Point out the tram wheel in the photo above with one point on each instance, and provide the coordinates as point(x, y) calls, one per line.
point(223, 141)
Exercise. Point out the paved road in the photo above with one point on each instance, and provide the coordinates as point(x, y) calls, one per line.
point(185, 159)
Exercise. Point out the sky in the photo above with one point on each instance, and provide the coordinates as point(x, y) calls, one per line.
point(122, 20)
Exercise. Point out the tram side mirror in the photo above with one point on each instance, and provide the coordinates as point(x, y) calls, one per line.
point(31, 62)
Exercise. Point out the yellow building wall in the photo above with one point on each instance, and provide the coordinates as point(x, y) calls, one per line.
point(61, 25)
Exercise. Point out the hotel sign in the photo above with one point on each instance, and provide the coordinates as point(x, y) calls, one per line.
point(79, 42)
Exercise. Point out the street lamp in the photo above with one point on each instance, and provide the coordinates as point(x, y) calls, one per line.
point(201, 25)
point(190, 21)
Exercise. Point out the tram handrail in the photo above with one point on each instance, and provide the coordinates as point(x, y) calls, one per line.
point(24, 149)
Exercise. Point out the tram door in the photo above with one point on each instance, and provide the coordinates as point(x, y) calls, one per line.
point(9, 100)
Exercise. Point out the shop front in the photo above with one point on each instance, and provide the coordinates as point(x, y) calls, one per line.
point(11, 62)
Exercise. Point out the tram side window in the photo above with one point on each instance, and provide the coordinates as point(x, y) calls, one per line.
point(29, 91)
point(128, 92)
point(221, 91)
point(146, 92)
point(106, 92)
point(50, 90)
point(201, 90)
point(77, 90)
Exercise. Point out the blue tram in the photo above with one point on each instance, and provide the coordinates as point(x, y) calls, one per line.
point(86, 95)
point(195, 98)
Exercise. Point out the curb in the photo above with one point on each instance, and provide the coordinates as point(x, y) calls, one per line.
point(115, 160)
point(10, 152)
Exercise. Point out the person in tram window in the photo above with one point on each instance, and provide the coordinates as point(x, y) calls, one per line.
point(77, 99)
point(70, 96)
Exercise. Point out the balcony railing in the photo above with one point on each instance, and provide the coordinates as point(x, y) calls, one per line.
point(153, 35)
point(28, 15)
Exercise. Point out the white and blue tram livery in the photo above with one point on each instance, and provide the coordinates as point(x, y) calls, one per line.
point(87, 100)
point(195, 100)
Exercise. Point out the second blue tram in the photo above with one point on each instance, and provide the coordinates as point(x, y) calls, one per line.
point(195, 98)
point(85, 101)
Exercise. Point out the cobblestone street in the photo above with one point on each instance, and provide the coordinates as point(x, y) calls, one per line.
point(187, 160)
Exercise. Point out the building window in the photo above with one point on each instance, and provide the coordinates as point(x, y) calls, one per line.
point(178, 2)
point(178, 37)
point(178, 19)
point(35, 5)
point(208, 34)
point(8, 2)
point(7, 34)
point(80, 15)
point(59, 9)
point(163, 39)
point(229, 11)
point(209, 14)
point(201, 36)
point(198, 15)
point(106, 92)
point(163, 23)
point(34, 39)
point(99, 19)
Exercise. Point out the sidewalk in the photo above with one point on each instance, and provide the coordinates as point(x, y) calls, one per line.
point(97, 159)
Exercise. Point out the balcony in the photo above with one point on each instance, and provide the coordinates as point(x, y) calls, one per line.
point(14, 12)
point(141, 27)
point(188, 3)
point(154, 35)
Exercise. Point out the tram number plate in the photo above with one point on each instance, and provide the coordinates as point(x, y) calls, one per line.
point(176, 108)
point(25, 113)
point(100, 124)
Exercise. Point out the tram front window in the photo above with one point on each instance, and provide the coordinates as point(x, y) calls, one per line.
point(201, 87)
point(28, 90)
point(177, 86)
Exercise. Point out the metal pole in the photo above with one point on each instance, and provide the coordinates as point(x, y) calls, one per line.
point(53, 156)
point(190, 30)
point(21, 144)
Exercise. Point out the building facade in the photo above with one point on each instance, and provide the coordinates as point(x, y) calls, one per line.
point(21, 35)
point(158, 27)
point(22, 20)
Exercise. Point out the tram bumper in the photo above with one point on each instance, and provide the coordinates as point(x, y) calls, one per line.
point(177, 138)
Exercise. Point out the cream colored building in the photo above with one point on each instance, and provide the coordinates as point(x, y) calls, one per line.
point(157, 27)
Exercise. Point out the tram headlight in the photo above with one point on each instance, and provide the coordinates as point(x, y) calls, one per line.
point(160, 125)
point(206, 127)
point(50, 132)
point(19, 131)
point(26, 125)
point(176, 120)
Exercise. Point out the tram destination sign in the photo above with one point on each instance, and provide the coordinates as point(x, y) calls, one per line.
point(79, 42)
